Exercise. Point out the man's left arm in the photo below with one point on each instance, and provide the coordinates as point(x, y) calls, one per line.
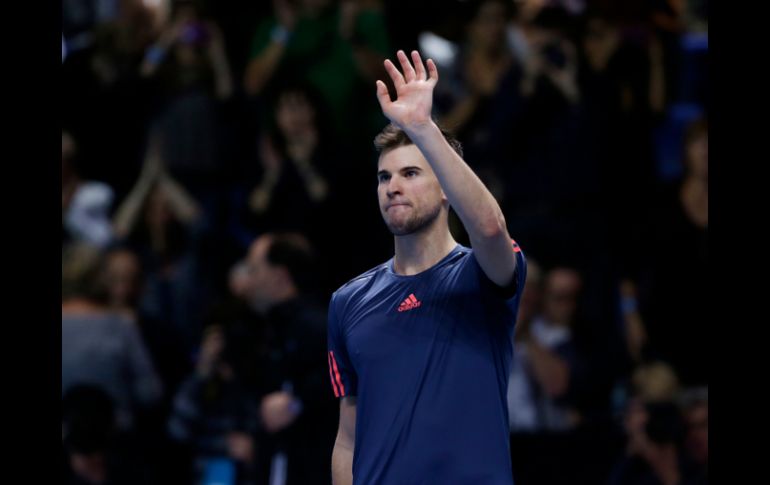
point(477, 208)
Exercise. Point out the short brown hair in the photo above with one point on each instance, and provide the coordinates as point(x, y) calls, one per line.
point(82, 273)
point(393, 137)
point(293, 251)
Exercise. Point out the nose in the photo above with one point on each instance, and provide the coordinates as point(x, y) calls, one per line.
point(393, 188)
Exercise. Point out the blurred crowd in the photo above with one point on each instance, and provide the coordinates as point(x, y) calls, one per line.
point(218, 183)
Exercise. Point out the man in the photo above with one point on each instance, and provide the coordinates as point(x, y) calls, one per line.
point(420, 346)
point(290, 376)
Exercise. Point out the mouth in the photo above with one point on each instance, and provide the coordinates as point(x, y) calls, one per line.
point(400, 204)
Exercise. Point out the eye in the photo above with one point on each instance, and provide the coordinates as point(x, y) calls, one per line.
point(410, 173)
point(383, 177)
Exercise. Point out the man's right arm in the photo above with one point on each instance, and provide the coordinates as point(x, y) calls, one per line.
point(342, 456)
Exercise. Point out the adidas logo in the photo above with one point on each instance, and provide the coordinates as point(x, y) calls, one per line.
point(410, 303)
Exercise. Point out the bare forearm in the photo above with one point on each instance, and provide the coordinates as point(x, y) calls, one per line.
point(182, 204)
point(218, 57)
point(224, 81)
point(342, 464)
point(156, 53)
point(474, 204)
point(261, 69)
point(477, 208)
point(657, 93)
point(128, 212)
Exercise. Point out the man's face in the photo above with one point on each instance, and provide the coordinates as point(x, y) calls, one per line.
point(123, 273)
point(409, 193)
point(561, 294)
point(294, 114)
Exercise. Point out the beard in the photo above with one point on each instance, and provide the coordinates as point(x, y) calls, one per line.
point(414, 223)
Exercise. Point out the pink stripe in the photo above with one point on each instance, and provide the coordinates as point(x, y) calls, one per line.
point(337, 374)
point(331, 375)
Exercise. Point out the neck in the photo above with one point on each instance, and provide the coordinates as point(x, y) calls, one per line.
point(421, 250)
point(80, 305)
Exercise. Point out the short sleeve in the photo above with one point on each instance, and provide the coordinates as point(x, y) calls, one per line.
point(519, 275)
point(512, 292)
point(341, 372)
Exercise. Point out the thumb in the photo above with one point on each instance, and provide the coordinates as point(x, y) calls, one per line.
point(382, 94)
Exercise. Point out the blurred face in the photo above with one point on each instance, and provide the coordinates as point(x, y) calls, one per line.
point(409, 193)
point(561, 293)
point(123, 273)
point(599, 42)
point(294, 114)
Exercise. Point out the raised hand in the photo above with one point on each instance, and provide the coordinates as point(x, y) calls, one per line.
point(414, 92)
point(154, 166)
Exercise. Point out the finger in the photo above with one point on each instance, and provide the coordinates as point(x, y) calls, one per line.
point(395, 75)
point(418, 66)
point(382, 94)
point(432, 71)
point(406, 66)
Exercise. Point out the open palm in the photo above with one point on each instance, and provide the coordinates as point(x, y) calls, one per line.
point(414, 91)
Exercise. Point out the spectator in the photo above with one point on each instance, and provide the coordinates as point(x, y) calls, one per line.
point(215, 416)
point(674, 277)
point(297, 411)
point(99, 346)
point(124, 278)
point(476, 97)
point(655, 432)
point(193, 75)
point(336, 46)
point(297, 160)
point(161, 221)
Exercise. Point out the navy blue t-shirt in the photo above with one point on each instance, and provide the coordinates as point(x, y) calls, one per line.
point(428, 357)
